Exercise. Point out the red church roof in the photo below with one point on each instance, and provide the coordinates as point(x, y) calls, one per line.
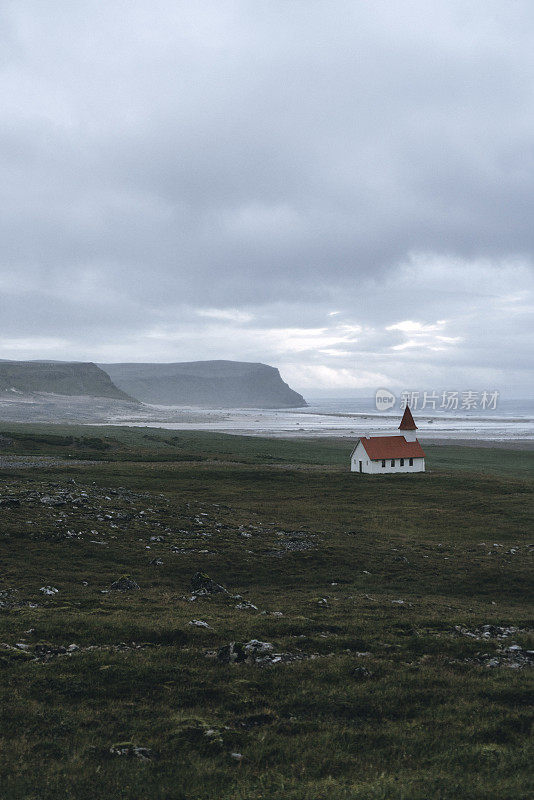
point(407, 421)
point(380, 447)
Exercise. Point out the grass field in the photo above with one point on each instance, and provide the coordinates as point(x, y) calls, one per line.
point(382, 682)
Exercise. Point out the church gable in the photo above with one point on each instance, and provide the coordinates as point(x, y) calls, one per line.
point(386, 454)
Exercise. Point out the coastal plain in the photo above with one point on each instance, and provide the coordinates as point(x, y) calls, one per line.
point(192, 615)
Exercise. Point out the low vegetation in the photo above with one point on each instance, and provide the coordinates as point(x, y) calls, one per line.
point(369, 638)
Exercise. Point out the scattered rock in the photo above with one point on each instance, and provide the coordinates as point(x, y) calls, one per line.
point(124, 584)
point(256, 649)
point(245, 605)
point(156, 562)
point(131, 750)
point(49, 590)
point(253, 652)
point(231, 653)
point(10, 654)
point(47, 651)
point(199, 734)
point(202, 584)
point(293, 542)
point(8, 599)
point(361, 673)
point(214, 736)
point(47, 500)
point(489, 631)
point(514, 657)
point(199, 623)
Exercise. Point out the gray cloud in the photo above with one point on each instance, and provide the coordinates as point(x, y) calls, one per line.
point(271, 163)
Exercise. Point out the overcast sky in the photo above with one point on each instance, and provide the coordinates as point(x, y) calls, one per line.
point(341, 189)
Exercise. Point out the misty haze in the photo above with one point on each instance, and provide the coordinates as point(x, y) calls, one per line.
point(266, 399)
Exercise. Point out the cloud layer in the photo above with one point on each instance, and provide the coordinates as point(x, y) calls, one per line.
point(341, 189)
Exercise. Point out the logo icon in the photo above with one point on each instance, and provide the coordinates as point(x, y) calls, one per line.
point(384, 399)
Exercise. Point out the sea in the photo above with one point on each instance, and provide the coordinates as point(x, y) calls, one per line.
point(511, 420)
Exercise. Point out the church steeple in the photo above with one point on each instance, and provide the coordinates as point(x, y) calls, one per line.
point(407, 421)
point(408, 426)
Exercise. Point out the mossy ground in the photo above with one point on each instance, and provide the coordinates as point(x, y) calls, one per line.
point(283, 524)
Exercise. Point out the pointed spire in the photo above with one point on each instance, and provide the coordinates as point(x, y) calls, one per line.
point(407, 421)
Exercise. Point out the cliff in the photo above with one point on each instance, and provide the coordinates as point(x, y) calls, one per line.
point(209, 384)
point(57, 377)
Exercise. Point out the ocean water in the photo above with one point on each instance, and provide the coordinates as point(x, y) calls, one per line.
point(512, 420)
point(505, 408)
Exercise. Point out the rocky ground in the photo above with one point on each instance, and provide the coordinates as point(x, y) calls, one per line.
point(213, 629)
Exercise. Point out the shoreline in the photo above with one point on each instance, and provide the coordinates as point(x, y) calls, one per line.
point(513, 432)
point(501, 444)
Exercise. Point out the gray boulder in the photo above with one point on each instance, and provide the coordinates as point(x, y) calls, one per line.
point(203, 584)
point(124, 584)
point(232, 653)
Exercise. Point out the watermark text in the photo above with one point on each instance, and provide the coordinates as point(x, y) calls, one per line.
point(453, 400)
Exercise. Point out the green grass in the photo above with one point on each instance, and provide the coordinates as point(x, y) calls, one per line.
point(119, 443)
point(420, 717)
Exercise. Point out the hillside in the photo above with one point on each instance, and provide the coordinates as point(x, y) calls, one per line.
point(212, 384)
point(57, 377)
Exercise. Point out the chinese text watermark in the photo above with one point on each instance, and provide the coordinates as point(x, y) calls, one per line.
point(438, 401)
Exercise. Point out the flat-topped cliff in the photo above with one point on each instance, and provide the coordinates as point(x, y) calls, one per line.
point(210, 384)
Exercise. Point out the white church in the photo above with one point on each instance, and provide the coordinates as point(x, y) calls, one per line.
point(378, 455)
